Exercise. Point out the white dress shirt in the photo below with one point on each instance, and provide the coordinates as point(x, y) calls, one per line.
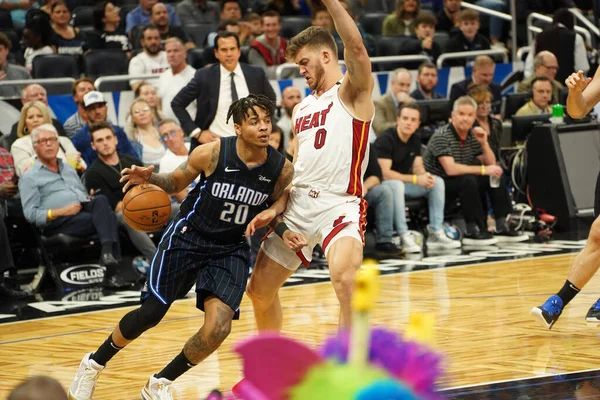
point(168, 87)
point(219, 126)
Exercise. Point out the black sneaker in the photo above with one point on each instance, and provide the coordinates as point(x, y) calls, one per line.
point(479, 239)
point(388, 249)
point(593, 314)
point(12, 291)
point(510, 236)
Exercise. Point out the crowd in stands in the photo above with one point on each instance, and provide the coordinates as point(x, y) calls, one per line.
point(68, 174)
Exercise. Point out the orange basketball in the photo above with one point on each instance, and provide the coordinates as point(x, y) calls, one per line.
point(146, 207)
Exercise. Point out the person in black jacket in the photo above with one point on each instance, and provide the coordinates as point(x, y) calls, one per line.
point(103, 178)
point(424, 32)
point(483, 74)
point(469, 38)
point(215, 88)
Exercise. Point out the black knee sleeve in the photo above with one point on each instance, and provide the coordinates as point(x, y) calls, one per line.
point(136, 322)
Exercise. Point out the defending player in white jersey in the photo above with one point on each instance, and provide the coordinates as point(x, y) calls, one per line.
point(325, 201)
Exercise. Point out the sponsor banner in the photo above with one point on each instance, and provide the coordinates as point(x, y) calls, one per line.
point(84, 298)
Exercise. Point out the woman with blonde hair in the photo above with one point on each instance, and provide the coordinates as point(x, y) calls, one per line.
point(483, 116)
point(143, 133)
point(34, 114)
point(403, 21)
point(148, 92)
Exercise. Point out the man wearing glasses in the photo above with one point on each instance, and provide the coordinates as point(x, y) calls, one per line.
point(102, 177)
point(55, 200)
point(171, 135)
point(545, 64)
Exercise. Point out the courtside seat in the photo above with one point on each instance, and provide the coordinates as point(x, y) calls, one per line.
point(293, 25)
point(63, 245)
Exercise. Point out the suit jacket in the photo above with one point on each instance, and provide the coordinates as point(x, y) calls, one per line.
point(204, 88)
point(385, 114)
point(531, 109)
point(460, 89)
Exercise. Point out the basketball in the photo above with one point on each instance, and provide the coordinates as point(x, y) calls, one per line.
point(146, 207)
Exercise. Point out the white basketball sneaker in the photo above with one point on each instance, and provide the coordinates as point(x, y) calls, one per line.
point(84, 383)
point(157, 389)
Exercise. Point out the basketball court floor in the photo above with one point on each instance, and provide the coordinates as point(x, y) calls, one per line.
point(479, 299)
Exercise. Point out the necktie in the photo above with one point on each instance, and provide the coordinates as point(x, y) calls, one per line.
point(234, 95)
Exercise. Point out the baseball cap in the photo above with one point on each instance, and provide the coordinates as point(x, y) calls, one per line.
point(92, 98)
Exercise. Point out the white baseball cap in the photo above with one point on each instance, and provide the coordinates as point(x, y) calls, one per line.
point(92, 98)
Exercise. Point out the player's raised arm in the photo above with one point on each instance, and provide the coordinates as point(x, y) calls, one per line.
point(584, 93)
point(203, 159)
point(356, 57)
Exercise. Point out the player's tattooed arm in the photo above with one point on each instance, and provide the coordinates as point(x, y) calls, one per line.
point(284, 181)
point(163, 181)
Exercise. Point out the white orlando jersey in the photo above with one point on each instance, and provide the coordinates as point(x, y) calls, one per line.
point(332, 145)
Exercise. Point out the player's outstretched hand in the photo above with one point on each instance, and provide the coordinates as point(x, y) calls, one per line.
point(262, 219)
point(135, 175)
point(295, 241)
point(576, 82)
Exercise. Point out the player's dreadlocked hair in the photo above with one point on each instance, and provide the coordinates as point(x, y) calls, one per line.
point(241, 109)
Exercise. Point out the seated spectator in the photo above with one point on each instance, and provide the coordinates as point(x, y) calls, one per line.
point(545, 64)
point(8, 191)
point(32, 92)
point(562, 41)
point(107, 31)
point(10, 72)
point(463, 156)
point(403, 20)
point(283, 7)
point(67, 39)
point(160, 18)
point(447, 20)
point(144, 135)
point(103, 177)
point(399, 156)
point(177, 152)
point(226, 25)
point(387, 106)
point(175, 78)
point(268, 50)
point(55, 200)
point(482, 74)
point(321, 17)
point(141, 15)
point(197, 12)
point(424, 32)
point(276, 139)
point(37, 37)
point(468, 39)
point(250, 28)
point(541, 95)
point(483, 117)
point(290, 96)
point(150, 61)
point(38, 388)
point(18, 9)
point(148, 92)
point(427, 80)
point(34, 114)
point(95, 109)
point(381, 197)
point(75, 122)
point(230, 9)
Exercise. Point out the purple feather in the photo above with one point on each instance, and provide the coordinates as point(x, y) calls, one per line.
point(409, 362)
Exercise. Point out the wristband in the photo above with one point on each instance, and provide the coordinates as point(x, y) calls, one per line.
point(49, 215)
point(280, 229)
point(414, 179)
point(482, 170)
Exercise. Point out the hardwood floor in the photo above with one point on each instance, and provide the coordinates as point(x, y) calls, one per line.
point(481, 317)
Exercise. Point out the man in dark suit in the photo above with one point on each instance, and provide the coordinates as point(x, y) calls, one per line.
point(483, 74)
point(215, 88)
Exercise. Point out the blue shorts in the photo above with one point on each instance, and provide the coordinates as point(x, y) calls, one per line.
point(185, 258)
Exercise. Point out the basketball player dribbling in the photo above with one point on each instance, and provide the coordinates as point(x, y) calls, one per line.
point(325, 202)
point(584, 94)
point(204, 245)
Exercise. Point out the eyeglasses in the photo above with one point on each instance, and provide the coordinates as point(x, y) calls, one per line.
point(48, 141)
point(168, 135)
point(139, 111)
point(551, 67)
